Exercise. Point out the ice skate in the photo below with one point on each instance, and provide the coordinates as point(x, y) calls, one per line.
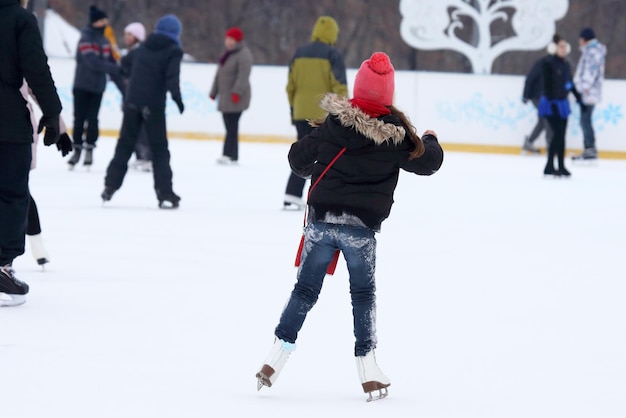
point(75, 158)
point(373, 380)
point(549, 171)
point(225, 160)
point(563, 172)
point(588, 156)
point(292, 202)
point(107, 194)
point(12, 291)
point(38, 250)
point(529, 149)
point(88, 161)
point(168, 200)
point(274, 363)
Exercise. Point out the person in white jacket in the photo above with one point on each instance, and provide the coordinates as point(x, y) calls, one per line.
point(588, 79)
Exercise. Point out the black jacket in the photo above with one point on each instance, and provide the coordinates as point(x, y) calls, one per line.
point(22, 57)
point(362, 181)
point(94, 60)
point(533, 84)
point(154, 70)
point(557, 79)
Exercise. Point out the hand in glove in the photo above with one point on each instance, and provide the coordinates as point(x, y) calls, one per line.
point(179, 103)
point(64, 144)
point(235, 98)
point(51, 123)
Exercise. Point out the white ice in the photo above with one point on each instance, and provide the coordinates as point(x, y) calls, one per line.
point(501, 294)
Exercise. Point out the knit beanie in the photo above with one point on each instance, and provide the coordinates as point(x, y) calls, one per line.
point(137, 30)
point(96, 14)
point(375, 80)
point(587, 34)
point(235, 33)
point(170, 26)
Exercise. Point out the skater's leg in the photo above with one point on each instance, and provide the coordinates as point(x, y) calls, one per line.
point(317, 253)
point(156, 130)
point(231, 141)
point(358, 246)
point(34, 226)
point(15, 159)
point(586, 125)
point(93, 109)
point(118, 166)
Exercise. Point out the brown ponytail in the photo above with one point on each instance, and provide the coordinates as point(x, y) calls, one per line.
point(419, 145)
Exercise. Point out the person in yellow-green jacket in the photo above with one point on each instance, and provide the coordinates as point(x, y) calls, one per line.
point(316, 68)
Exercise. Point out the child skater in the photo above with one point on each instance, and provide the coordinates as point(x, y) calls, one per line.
point(356, 153)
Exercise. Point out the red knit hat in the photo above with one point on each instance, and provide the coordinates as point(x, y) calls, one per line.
point(235, 33)
point(375, 80)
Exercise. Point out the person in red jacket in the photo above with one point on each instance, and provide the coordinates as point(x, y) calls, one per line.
point(353, 158)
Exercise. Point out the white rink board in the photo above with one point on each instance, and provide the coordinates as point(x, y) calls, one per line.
point(462, 108)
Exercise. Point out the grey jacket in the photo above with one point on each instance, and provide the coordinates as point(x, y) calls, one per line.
point(233, 76)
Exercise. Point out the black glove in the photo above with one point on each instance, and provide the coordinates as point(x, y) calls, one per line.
point(51, 123)
point(524, 100)
point(64, 144)
point(179, 103)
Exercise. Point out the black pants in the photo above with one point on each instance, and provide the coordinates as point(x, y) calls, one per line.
point(557, 145)
point(153, 119)
point(295, 184)
point(142, 149)
point(86, 109)
point(34, 226)
point(14, 170)
point(231, 141)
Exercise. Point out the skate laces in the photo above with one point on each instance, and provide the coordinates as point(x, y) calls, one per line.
point(10, 273)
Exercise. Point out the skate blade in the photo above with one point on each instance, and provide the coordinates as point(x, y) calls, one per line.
point(291, 207)
point(168, 205)
point(11, 300)
point(262, 380)
point(373, 396)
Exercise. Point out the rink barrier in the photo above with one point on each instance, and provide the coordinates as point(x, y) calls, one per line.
point(447, 146)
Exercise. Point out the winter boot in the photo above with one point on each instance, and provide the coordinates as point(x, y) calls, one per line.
point(12, 291)
point(88, 154)
point(226, 160)
point(372, 378)
point(549, 170)
point(168, 200)
point(75, 158)
point(107, 194)
point(292, 202)
point(274, 363)
point(38, 250)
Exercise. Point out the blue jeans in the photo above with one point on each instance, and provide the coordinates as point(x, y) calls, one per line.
point(358, 246)
point(589, 137)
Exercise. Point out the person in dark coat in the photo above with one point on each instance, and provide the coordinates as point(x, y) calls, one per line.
point(554, 104)
point(155, 71)
point(532, 93)
point(316, 68)
point(22, 57)
point(94, 60)
point(231, 87)
point(369, 141)
point(134, 35)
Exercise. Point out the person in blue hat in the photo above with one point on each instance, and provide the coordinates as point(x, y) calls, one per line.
point(153, 71)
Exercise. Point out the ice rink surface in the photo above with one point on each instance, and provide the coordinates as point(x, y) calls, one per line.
point(500, 295)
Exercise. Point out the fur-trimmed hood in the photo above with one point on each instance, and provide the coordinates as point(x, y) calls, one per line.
point(349, 116)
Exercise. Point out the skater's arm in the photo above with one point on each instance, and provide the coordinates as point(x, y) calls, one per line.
point(303, 154)
point(430, 162)
point(172, 74)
